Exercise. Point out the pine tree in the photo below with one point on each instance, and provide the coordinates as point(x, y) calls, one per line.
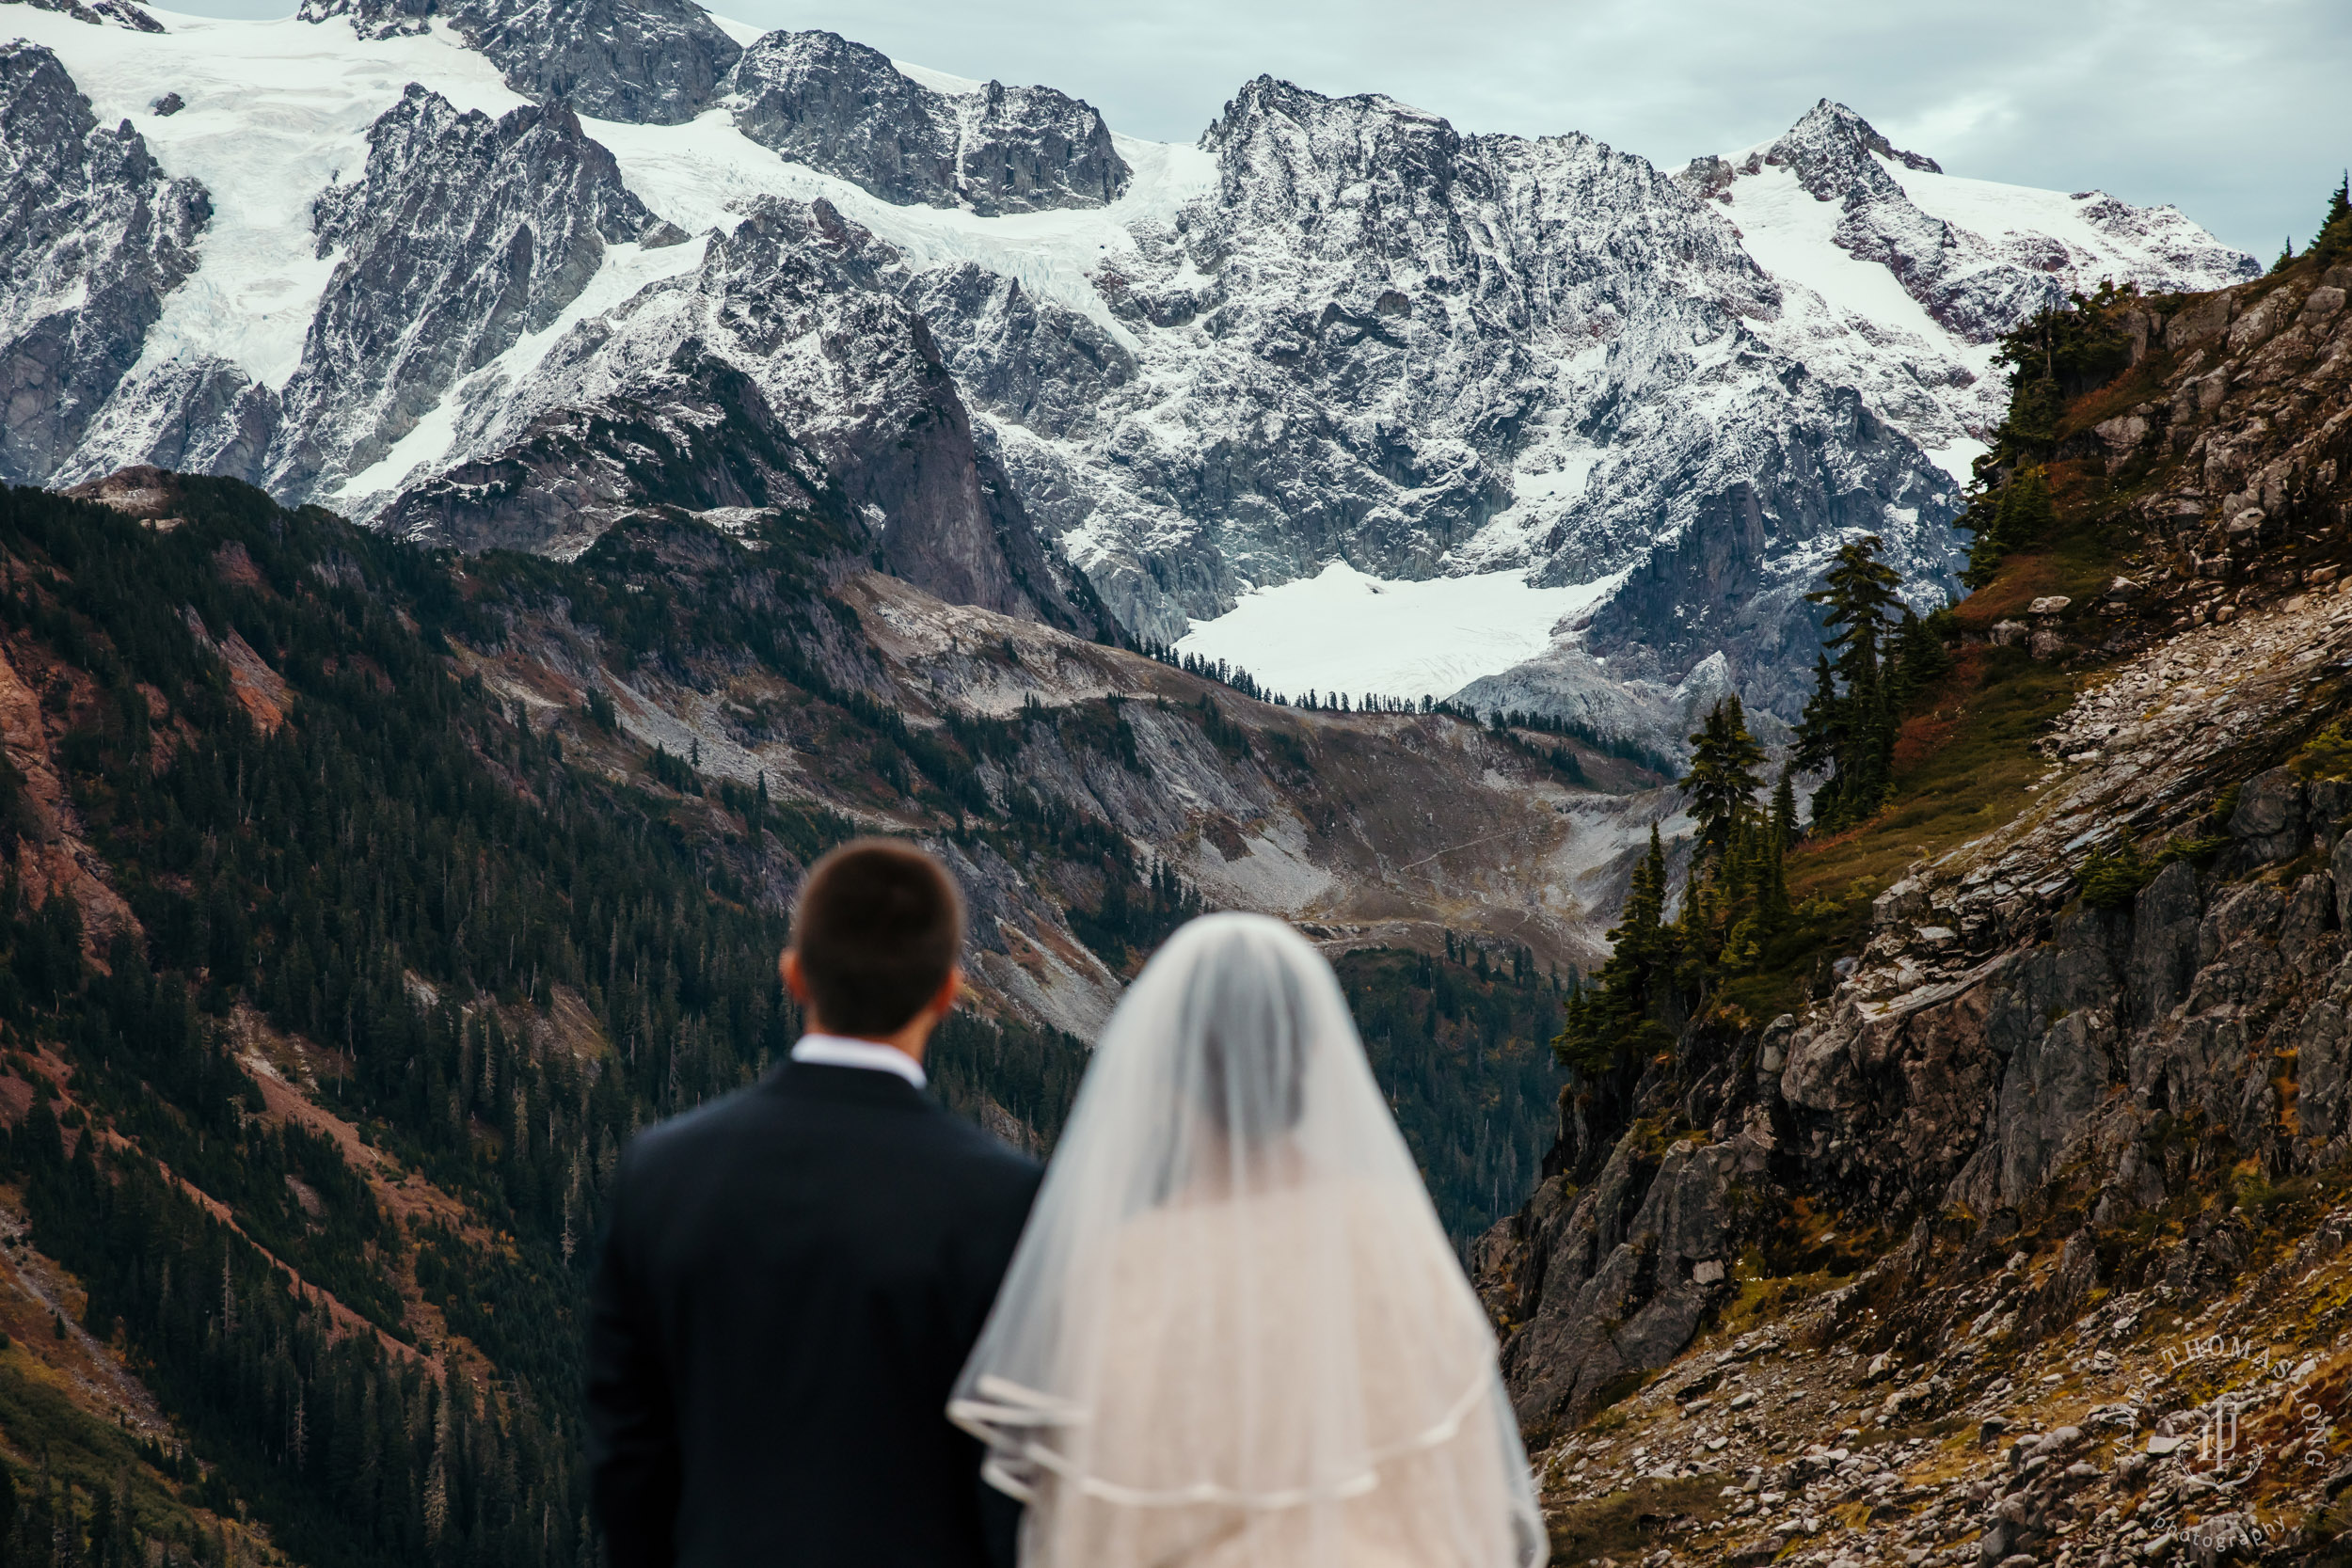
point(1722, 781)
point(1784, 817)
point(2334, 238)
point(1921, 652)
point(1851, 732)
point(2021, 518)
point(1859, 590)
point(1817, 732)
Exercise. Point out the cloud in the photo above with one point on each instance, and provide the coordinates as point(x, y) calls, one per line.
point(2234, 111)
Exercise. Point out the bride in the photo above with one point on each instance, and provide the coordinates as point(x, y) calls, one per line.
point(1234, 1334)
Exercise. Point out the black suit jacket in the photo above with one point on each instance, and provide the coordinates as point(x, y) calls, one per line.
point(790, 1280)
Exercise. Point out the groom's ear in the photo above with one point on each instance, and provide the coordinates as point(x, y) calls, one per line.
point(788, 970)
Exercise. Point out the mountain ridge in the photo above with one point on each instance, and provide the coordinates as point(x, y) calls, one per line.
point(1485, 380)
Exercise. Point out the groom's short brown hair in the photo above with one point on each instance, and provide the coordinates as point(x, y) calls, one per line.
point(878, 928)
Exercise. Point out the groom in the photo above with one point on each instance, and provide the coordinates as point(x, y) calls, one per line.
point(792, 1276)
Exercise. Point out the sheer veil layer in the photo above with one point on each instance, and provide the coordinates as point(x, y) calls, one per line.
point(1234, 1332)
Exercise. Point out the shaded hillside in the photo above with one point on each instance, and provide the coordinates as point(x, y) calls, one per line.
point(361, 900)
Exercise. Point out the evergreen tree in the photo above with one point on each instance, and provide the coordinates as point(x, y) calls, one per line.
point(2022, 517)
point(1609, 1019)
point(1784, 817)
point(1859, 590)
point(1852, 732)
point(1722, 779)
point(2334, 239)
point(1919, 649)
point(1817, 732)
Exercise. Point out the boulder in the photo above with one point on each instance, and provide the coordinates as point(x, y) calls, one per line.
point(2268, 820)
point(1904, 904)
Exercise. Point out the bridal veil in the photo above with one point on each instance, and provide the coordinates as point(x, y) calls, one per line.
point(1234, 1333)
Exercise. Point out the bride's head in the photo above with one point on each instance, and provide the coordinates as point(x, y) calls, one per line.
point(1236, 1035)
point(1241, 1032)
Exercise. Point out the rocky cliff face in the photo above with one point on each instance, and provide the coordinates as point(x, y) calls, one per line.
point(2034, 1102)
point(93, 234)
point(1423, 353)
point(648, 62)
point(462, 235)
point(785, 365)
point(819, 100)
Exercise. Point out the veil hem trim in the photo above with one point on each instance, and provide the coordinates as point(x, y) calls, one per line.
point(1005, 1419)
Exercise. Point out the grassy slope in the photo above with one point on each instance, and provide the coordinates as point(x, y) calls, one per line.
point(1964, 763)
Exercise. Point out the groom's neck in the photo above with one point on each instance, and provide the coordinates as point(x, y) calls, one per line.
point(912, 1040)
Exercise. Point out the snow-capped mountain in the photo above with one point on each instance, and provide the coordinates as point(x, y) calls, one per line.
point(496, 273)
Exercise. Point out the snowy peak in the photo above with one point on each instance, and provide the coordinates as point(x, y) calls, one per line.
point(102, 13)
point(847, 110)
point(463, 234)
point(645, 62)
point(650, 62)
point(1831, 149)
point(1287, 153)
point(93, 234)
point(1978, 257)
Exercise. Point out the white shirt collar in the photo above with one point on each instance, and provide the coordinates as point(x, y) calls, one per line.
point(838, 1051)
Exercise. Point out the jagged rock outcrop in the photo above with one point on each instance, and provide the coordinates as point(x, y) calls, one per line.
point(1029, 361)
point(194, 414)
point(462, 234)
point(649, 62)
point(99, 13)
point(93, 234)
point(375, 19)
point(786, 364)
point(1978, 285)
point(841, 108)
point(1633, 1261)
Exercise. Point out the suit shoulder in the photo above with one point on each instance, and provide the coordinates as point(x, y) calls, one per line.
point(668, 1140)
point(984, 1156)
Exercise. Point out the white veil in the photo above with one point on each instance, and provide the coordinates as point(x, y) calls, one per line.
point(1233, 1331)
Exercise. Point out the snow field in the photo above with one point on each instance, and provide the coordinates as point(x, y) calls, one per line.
point(1343, 631)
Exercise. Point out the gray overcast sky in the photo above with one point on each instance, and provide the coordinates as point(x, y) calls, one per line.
point(2239, 112)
